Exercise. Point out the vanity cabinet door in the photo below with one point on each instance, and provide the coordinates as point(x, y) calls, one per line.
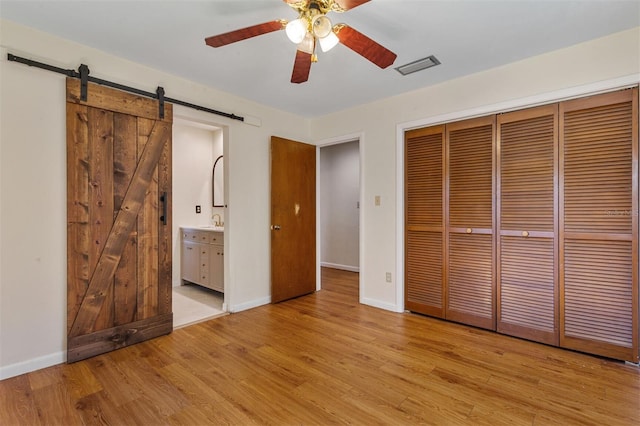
point(216, 265)
point(190, 261)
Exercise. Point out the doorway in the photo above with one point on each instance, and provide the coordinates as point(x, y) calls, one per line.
point(339, 209)
point(196, 148)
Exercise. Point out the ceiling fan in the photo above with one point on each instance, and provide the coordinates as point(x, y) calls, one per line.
point(313, 27)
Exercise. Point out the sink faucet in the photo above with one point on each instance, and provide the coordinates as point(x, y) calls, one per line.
point(217, 222)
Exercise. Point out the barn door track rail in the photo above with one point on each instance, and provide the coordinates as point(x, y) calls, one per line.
point(83, 75)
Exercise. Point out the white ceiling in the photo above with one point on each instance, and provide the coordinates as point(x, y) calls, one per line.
point(467, 36)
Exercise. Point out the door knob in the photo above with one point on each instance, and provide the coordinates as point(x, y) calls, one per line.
point(275, 227)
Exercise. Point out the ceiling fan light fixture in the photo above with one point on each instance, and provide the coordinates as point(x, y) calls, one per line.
point(296, 30)
point(321, 26)
point(329, 42)
point(307, 44)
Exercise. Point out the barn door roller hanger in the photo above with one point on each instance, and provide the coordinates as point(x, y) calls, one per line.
point(83, 75)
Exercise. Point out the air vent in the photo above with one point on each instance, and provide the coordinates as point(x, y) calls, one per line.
point(419, 65)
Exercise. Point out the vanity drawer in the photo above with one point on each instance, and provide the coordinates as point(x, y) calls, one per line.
point(216, 237)
point(196, 236)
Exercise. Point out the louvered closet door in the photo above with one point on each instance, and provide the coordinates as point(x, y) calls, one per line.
point(526, 247)
point(599, 225)
point(470, 281)
point(424, 221)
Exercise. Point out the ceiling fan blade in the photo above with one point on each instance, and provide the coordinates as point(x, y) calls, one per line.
point(350, 4)
point(301, 67)
point(364, 46)
point(244, 33)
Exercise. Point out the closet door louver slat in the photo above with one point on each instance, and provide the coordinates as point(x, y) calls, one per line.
point(599, 223)
point(527, 281)
point(424, 279)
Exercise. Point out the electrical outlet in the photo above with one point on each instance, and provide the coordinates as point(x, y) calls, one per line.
point(388, 276)
point(377, 200)
point(198, 209)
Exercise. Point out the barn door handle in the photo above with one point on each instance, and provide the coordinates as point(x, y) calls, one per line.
point(275, 227)
point(163, 200)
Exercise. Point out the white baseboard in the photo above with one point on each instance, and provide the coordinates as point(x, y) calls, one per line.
point(381, 305)
point(338, 266)
point(249, 305)
point(34, 364)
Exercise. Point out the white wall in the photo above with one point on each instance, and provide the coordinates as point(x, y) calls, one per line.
point(33, 188)
point(339, 212)
point(594, 65)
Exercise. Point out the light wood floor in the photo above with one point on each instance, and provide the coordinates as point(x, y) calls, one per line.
point(325, 359)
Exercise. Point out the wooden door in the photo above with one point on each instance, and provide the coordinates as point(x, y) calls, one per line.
point(424, 223)
point(527, 301)
point(118, 220)
point(599, 225)
point(293, 219)
point(470, 280)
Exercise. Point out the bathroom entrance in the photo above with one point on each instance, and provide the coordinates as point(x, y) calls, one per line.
point(199, 214)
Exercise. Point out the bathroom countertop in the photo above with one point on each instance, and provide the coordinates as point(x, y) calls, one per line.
point(205, 228)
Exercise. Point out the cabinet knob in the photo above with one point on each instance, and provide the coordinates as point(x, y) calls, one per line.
point(525, 233)
point(469, 230)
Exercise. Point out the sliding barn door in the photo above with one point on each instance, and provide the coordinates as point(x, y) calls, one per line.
point(599, 225)
point(470, 245)
point(527, 224)
point(424, 223)
point(119, 227)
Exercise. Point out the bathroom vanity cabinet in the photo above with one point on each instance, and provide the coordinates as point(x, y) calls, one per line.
point(202, 260)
